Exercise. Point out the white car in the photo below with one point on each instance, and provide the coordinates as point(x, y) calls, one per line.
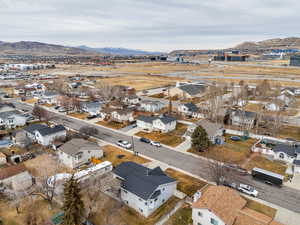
point(155, 143)
point(248, 190)
point(124, 144)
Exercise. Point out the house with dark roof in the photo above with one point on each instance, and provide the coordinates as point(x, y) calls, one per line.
point(144, 189)
point(243, 118)
point(12, 119)
point(189, 109)
point(189, 90)
point(131, 99)
point(163, 124)
point(93, 108)
point(283, 151)
point(78, 152)
point(45, 135)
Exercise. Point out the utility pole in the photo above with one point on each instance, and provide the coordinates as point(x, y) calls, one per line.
point(132, 140)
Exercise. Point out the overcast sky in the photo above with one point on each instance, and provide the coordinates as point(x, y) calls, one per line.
point(148, 24)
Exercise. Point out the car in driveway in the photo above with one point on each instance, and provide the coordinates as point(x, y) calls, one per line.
point(145, 140)
point(124, 144)
point(155, 143)
point(247, 189)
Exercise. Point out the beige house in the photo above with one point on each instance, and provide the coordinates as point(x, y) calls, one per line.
point(188, 91)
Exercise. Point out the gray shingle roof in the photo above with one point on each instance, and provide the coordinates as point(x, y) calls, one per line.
point(76, 145)
point(140, 180)
point(92, 104)
point(32, 128)
point(209, 127)
point(167, 119)
point(51, 130)
point(191, 107)
point(241, 113)
point(193, 89)
point(147, 119)
point(288, 149)
point(297, 162)
point(7, 114)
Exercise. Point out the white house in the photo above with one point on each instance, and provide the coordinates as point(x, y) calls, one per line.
point(151, 106)
point(45, 135)
point(122, 115)
point(163, 124)
point(17, 177)
point(131, 99)
point(12, 119)
point(189, 109)
point(49, 97)
point(78, 152)
point(93, 108)
point(144, 189)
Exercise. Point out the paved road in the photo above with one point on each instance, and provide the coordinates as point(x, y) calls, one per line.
point(285, 197)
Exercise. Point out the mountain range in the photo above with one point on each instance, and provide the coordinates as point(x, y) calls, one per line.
point(119, 51)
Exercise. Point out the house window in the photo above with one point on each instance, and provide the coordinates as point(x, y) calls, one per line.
point(140, 199)
point(199, 224)
point(163, 189)
point(213, 221)
point(199, 214)
point(141, 210)
point(281, 155)
point(146, 203)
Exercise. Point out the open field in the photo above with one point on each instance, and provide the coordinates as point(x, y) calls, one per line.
point(185, 183)
point(173, 138)
point(112, 153)
point(141, 82)
point(231, 152)
point(289, 132)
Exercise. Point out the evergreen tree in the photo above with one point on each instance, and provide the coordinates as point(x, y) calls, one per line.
point(73, 206)
point(200, 139)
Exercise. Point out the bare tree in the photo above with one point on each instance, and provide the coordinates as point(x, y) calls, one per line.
point(215, 102)
point(88, 130)
point(15, 198)
point(108, 92)
point(217, 171)
point(40, 113)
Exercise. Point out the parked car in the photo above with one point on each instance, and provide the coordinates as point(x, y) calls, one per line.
point(91, 117)
point(146, 140)
point(61, 109)
point(56, 107)
point(124, 144)
point(247, 189)
point(230, 184)
point(155, 143)
point(235, 138)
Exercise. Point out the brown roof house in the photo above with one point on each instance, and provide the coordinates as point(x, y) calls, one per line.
point(220, 205)
point(16, 177)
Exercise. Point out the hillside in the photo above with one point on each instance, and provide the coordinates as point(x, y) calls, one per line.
point(38, 48)
point(291, 42)
point(120, 51)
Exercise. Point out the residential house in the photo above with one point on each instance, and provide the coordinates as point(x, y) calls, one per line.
point(12, 119)
point(287, 99)
point(163, 124)
point(220, 205)
point(275, 105)
point(131, 99)
point(45, 135)
point(144, 189)
point(243, 118)
point(189, 109)
point(78, 152)
point(151, 106)
point(188, 90)
point(49, 97)
point(215, 131)
point(93, 108)
point(17, 177)
point(122, 115)
point(287, 152)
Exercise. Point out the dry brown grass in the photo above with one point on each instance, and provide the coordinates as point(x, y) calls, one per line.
point(173, 138)
point(112, 153)
point(264, 163)
point(231, 152)
point(112, 124)
point(289, 132)
point(81, 116)
point(185, 183)
point(31, 100)
point(141, 82)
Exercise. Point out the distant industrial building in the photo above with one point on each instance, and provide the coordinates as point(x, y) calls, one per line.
point(295, 60)
point(231, 57)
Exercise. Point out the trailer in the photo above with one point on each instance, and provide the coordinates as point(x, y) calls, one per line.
point(267, 176)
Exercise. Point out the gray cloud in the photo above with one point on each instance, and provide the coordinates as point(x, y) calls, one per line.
point(151, 25)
